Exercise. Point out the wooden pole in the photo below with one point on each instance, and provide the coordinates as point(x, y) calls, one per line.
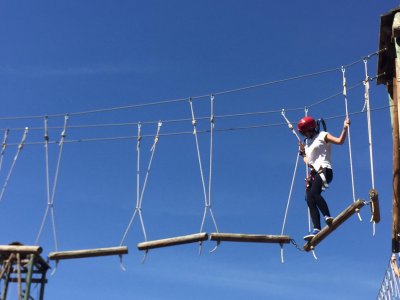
point(395, 194)
point(342, 217)
point(42, 285)
point(8, 269)
point(20, 249)
point(394, 89)
point(19, 276)
point(88, 253)
point(252, 238)
point(28, 279)
point(179, 240)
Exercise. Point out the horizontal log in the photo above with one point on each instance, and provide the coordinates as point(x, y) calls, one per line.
point(7, 249)
point(179, 240)
point(339, 220)
point(33, 280)
point(251, 238)
point(88, 253)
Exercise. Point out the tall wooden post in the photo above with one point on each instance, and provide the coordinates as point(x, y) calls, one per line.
point(396, 162)
point(389, 65)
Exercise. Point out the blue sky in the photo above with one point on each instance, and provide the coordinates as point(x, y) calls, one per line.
point(77, 56)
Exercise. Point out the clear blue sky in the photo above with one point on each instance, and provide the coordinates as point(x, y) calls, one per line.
point(73, 56)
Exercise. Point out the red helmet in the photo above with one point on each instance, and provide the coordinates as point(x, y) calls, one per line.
point(306, 124)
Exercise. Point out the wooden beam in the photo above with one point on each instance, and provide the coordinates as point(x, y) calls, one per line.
point(375, 211)
point(339, 220)
point(179, 240)
point(33, 280)
point(7, 249)
point(252, 238)
point(88, 253)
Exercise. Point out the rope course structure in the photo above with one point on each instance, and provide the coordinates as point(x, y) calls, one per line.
point(201, 236)
point(390, 286)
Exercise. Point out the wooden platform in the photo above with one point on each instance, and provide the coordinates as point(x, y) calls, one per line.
point(179, 240)
point(250, 238)
point(340, 219)
point(88, 253)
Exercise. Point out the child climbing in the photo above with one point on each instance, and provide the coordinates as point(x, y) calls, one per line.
point(316, 153)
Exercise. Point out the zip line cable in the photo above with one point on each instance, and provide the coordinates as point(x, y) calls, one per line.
point(195, 97)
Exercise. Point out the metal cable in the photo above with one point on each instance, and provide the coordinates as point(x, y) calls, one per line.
point(195, 97)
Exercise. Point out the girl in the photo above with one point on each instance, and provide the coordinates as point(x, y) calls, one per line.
point(316, 153)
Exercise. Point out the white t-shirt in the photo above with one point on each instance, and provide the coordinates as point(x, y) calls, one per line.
point(318, 152)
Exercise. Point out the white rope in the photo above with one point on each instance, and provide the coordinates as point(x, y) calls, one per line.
point(367, 104)
point(194, 122)
point(20, 147)
point(51, 197)
point(46, 147)
point(140, 194)
point(290, 125)
point(3, 147)
point(290, 194)
point(349, 138)
point(307, 171)
point(314, 254)
point(207, 197)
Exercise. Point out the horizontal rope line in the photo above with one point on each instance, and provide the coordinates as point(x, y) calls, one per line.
point(186, 98)
point(187, 119)
point(191, 132)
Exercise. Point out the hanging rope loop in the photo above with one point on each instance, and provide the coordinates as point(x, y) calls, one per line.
point(140, 192)
point(51, 196)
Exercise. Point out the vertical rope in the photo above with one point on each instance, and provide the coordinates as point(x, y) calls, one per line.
point(207, 196)
point(140, 194)
point(20, 147)
point(3, 147)
point(139, 139)
point(212, 125)
point(46, 150)
point(51, 197)
point(290, 194)
point(307, 171)
point(367, 105)
point(349, 136)
point(194, 123)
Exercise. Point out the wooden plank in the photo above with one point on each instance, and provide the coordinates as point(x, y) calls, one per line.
point(252, 238)
point(7, 249)
point(179, 240)
point(376, 215)
point(88, 253)
point(340, 219)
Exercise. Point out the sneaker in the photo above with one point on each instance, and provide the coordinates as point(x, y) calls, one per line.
point(313, 233)
point(328, 220)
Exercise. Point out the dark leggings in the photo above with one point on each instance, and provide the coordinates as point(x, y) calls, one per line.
point(314, 199)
